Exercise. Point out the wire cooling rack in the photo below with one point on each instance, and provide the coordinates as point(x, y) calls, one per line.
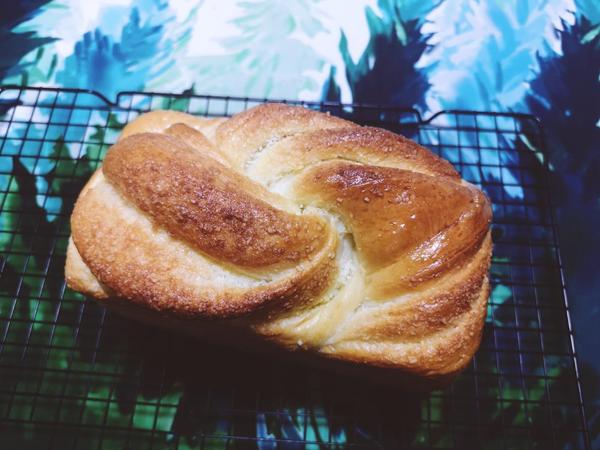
point(75, 376)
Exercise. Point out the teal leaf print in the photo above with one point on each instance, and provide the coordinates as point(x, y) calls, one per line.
point(15, 44)
point(144, 52)
point(265, 58)
point(386, 72)
point(407, 10)
point(331, 92)
point(590, 9)
point(482, 58)
point(102, 65)
point(483, 52)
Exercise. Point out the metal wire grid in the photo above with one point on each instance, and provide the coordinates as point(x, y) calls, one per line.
point(76, 376)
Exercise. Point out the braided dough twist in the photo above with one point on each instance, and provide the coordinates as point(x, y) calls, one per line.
point(287, 226)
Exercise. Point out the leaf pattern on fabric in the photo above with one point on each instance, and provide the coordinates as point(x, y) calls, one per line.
point(266, 57)
point(144, 53)
point(521, 55)
point(16, 45)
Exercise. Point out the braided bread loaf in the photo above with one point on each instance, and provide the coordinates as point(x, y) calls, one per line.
point(287, 228)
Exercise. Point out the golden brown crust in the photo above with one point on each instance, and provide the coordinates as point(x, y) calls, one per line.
point(79, 276)
point(206, 204)
point(294, 229)
point(448, 353)
point(159, 121)
point(422, 323)
point(425, 224)
point(139, 262)
point(249, 131)
point(366, 145)
point(198, 142)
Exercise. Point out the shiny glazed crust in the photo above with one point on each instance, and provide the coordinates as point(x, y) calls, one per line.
point(283, 228)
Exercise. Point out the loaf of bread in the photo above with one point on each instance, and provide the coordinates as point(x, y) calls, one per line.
point(283, 228)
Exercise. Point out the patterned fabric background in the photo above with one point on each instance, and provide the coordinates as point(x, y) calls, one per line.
point(536, 56)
